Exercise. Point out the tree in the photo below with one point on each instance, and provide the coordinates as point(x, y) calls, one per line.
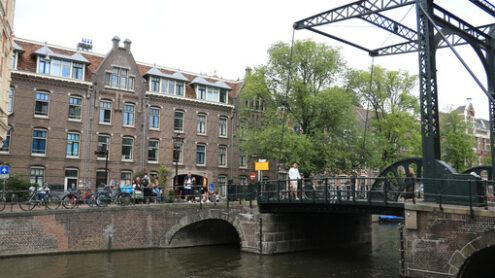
point(319, 122)
point(395, 129)
point(458, 142)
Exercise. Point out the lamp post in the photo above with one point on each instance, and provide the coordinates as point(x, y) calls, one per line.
point(177, 141)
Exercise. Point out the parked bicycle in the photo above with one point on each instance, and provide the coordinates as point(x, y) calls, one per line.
point(40, 198)
point(74, 199)
point(109, 196)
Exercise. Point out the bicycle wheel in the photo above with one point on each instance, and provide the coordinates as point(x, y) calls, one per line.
point(69, 202)
point(52, 202)
point(27, 205)
point(123, 199)
point(99, 199)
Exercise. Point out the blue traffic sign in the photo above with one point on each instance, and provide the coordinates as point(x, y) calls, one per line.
point(4, 170)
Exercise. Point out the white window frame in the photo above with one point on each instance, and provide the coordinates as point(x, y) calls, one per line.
point(72, 141)
point(100, 149)
point(42, 169)
point(183, 120)
point(122, 182)
point(132, 148)
point(9, 140)
point(198, 131)
point(220, 156)
point(204, 154)
point(106, 109)
point(158, 116)
point(243, 157)
point(198, 96)
point(50, 70)
point(220, 127)
point(66, 178)
point(75, 105)
point(10, 105)
point(15, 56)
point(222, 187)
point(44, 101)
point(129, 112)
point(45, 138)
point(157, 150)
point(128, 86)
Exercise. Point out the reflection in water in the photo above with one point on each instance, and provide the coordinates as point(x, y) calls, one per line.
point(378, 260)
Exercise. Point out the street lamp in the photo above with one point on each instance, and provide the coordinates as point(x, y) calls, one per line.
point(177, 141)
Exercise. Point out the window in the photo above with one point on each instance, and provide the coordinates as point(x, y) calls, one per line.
point(37, 175)
point(101, 178)
point(178, 147)
point(41, 105)
point(44, 66)
point(171, 87)
point(77, 71)
point(222, 127)
point(179, 88)
point(127, 148)
point(125, 176)
point(200, 154)
point(153, 151)
point(155, 84)
point(39, 141)
point(6, 143)
point(73, 144)
point(201, 124)
point(178, 121)
point(154, 118)
point(212, 94)
point(243, 180)
point(222, 156)
point(61, 68)
point(75, 104)
point(201, 92)
point(242, 160)
point(103, 144)
point(222, 184)
point(119, 78)
point(487, 144)
point(10, 105)
point(70, 178)
point(164, 85)
point(223, 95)
point(105, 112)
point(14, 59)
point(128, 115)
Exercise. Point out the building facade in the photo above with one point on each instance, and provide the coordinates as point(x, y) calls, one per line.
point(76, 114)
point(6, 60)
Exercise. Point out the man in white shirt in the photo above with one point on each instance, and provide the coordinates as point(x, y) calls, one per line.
point(293, 177)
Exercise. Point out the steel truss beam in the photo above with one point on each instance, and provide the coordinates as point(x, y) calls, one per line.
point(409, 47)
point(485, 5)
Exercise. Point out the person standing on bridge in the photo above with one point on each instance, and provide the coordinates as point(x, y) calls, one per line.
point(294, 176)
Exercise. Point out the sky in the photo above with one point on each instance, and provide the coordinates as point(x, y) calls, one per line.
point(223, 37)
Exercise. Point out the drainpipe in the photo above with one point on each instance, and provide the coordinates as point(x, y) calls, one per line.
point(91, 97)
point(232, 122)
point(145, 105)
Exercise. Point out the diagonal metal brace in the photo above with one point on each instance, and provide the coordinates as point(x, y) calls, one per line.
point(485, 5)
point(391, 26)
point(353, 10)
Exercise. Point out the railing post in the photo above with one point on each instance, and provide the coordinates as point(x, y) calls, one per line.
point(200, 199)
point(486, 193)
point(339, 194)
point(229, 185)
point(278, 191)
point(250, 194)
point(470, 199)
point(300, 184)
point(353, 184)
point(385, 192)
point(326, 190)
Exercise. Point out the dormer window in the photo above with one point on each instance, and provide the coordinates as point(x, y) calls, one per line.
point(61, 68)
point(211, 91)
point(171, 84)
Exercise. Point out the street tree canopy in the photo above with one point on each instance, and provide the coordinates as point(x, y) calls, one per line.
point(458, 143)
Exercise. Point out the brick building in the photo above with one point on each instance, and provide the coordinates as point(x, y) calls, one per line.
point(6, 60)
point(68, 104)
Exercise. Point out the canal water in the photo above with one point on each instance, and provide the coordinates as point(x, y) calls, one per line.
point(379, 259)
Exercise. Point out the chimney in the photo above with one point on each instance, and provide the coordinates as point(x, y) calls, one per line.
point(248, 71)
point(127, 44)
point(469, 100)
point(116, 41)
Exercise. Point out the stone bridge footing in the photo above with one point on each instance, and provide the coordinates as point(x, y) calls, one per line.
point(176, 225)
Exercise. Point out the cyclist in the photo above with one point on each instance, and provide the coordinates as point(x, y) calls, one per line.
point(43, 190)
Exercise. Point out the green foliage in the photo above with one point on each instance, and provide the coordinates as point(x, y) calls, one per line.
point(394, 118)
point(319, 129)
point(163, 175)
point(140, 174)
point(487, 160)
point(458, 145)
point(169, 198)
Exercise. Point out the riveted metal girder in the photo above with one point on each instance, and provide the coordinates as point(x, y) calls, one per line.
point(485, 5)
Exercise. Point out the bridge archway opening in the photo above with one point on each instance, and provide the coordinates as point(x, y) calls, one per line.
point(206, 233)
point(479, 265)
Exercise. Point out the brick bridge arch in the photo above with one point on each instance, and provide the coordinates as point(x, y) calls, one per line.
point(461, 258)
point(201, 216)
